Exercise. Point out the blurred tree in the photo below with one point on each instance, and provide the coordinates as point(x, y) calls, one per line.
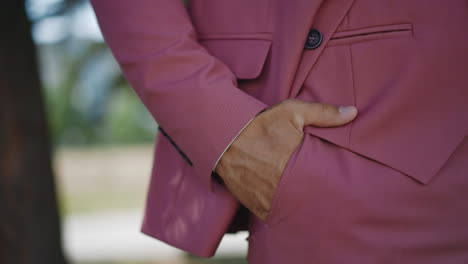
point(29, 222)
point(87, 98)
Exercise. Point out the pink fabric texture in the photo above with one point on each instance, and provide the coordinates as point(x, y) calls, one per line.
point(205, 73)
point(336, 206)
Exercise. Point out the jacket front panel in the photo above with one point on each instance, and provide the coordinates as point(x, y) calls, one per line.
point(401, 66)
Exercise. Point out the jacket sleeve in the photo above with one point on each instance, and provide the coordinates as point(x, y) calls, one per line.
point(190, 93)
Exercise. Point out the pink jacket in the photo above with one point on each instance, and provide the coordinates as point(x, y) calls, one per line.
point(203, 74)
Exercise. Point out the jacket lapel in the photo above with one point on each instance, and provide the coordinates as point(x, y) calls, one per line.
point(329, 15)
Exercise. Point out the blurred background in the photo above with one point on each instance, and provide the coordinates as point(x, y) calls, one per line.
point(76, 146)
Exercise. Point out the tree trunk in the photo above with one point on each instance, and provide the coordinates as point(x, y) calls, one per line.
point(29, 221)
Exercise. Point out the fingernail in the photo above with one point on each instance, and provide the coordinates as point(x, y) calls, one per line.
point(347, 110)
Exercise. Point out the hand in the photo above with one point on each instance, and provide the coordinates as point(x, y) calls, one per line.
point(252, 166)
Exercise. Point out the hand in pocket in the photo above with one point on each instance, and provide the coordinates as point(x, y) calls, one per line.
point(254, 163)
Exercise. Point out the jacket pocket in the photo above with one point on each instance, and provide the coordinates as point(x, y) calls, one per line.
point(244, 54)
point(370, 33)
point(286, 199)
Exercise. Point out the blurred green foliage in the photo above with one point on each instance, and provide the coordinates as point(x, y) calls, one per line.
point(88, 100)
point(106, 114)
point(82, 112)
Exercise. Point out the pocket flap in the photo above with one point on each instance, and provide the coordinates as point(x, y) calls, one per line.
point(244, 54)
point(416, 152)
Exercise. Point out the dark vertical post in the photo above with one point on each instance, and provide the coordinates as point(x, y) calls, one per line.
point(29, 221)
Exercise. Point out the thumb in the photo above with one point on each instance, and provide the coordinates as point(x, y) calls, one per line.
point(326, 115)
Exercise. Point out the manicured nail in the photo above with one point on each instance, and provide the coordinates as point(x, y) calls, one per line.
point(347, 110)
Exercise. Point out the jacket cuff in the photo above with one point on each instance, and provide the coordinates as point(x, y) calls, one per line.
point(242, 129)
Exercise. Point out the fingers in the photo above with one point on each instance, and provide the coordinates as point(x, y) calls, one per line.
point(324, 115)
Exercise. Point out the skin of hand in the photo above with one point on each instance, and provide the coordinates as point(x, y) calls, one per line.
point(253, 165)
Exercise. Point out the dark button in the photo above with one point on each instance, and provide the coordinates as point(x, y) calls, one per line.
point(314, 39)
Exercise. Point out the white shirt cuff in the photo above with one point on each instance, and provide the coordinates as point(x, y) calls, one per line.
point(214, 167)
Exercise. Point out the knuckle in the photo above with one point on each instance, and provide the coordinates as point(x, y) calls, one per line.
point(288, 105)
point(289, 102)
point(329, 110)
point(326, 114)
point(322, 110)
